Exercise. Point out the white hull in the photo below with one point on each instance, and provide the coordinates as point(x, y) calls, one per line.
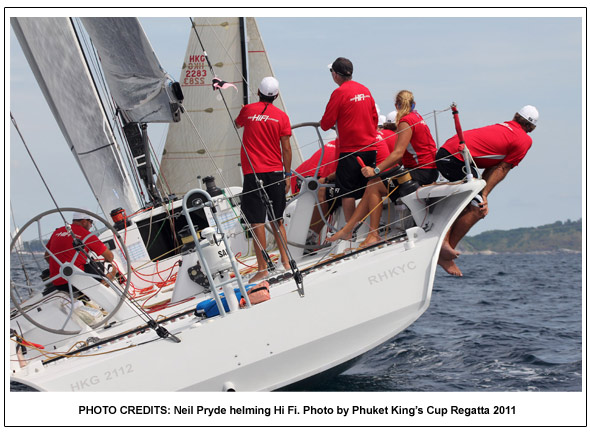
point(350, 306)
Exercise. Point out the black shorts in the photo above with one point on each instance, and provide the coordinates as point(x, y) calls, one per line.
point(450, 167)
point(424, 176)
point(333, 198)
point(252, 204)
point(349, 178)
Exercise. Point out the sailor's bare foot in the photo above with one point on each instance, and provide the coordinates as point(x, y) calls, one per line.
point(259, 276)
point(450, 267)
point(340, 234)
point(371, 239)
point(447, 252)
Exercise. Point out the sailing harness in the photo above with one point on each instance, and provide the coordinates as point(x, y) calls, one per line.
point(297, 276)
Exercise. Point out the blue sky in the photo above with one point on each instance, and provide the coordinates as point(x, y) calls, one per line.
point(489, 66)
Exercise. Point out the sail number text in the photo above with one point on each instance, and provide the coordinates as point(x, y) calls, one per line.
point(195, 73)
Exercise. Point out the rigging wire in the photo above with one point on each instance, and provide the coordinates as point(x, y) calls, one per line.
point(265, 197)
point(150, 321)
point(39, 172)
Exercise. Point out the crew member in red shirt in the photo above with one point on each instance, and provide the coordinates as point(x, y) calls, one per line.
point(389, 129)
point(61, 245)
point(265, 156)
point(386, 136)
point(352, 110)
point(414, 147)
point(497, 148)
point(308, 167)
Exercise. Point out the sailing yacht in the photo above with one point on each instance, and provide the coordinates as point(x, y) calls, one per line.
point(202, 326)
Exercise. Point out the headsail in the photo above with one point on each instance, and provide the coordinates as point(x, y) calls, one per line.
point(215, 149)
point(72, 97)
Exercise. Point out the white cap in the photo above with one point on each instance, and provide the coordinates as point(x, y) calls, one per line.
point(81, 216)
point(269, 86)
point(381, 119)
point(391, 116)
point(529, 113)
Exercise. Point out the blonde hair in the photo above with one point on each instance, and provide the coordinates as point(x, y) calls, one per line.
point(403, 103)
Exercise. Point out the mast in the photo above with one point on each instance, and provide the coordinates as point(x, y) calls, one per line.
point(244, 59)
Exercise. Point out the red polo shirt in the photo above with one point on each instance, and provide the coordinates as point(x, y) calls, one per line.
point(308, 167)
point(352, 109)
point(421, 150)
point(490, 145)
point(264, 125)
point(61, 245)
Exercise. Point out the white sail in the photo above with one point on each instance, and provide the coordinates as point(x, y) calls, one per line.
point(205, 142)
point(137, 82)
point(259, 67)
point(205, 139)
point(72, 97)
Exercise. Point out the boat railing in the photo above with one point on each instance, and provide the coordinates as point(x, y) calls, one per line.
point(197, 199)
point(462, 146)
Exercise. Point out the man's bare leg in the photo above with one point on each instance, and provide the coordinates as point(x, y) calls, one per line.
point(375, 192)
point(259, 245)
point(317, 223)
point(280, 237)
point(348, 207)
point(468, 218)
point(463, 224)
point(372, 196)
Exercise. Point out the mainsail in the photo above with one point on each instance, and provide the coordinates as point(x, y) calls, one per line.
point(205, 142)
point(142, 91)
point(72, 97)
point(137, 82)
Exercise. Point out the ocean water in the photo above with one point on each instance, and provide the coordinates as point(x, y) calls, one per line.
point(513, 322)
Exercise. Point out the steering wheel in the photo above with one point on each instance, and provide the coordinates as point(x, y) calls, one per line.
point(312, 182)
point(67, 270)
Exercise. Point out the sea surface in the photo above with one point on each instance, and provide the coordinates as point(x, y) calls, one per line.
point(513, 322)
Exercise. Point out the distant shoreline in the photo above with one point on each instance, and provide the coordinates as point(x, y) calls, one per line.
point(550, 238)
point(491, 252)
